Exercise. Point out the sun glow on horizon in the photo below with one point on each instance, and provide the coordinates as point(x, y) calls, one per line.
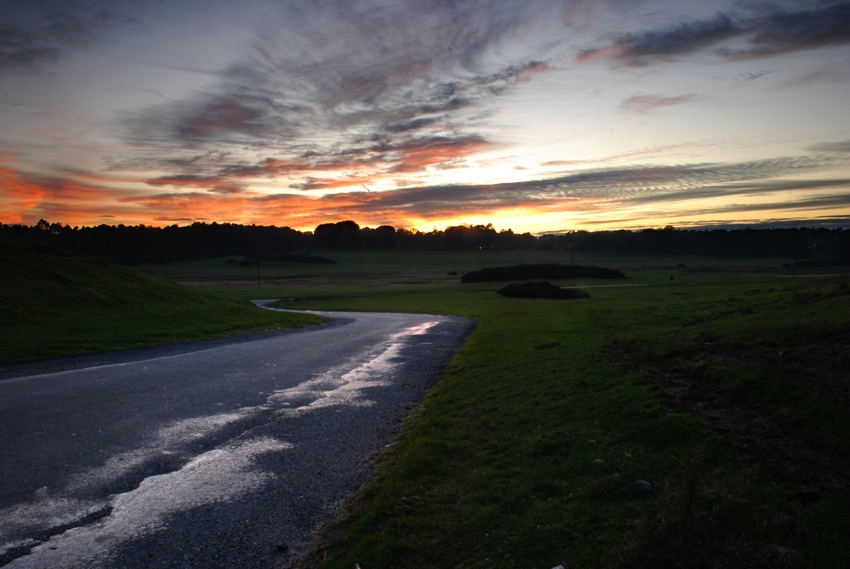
point(531, 118)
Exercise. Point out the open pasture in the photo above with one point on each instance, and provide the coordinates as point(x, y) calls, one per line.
point(724, 388)
point(369, 272)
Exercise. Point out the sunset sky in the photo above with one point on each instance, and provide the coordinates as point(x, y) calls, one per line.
point(538, 115)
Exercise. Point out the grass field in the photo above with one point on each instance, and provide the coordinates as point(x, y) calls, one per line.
point(724, 388)
point(400, 262)
point(56, 303)
point(365, 272)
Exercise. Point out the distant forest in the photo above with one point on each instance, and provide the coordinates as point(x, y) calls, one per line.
point(146, 244)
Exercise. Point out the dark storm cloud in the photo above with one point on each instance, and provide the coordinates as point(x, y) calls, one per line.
point(779, 31)
point(37, 33)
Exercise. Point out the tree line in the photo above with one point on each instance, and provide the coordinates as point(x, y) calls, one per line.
point(142, 244)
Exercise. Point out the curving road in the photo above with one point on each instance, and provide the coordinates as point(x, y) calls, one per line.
point(214, 454)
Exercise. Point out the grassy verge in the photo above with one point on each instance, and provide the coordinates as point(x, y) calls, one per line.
point(528, 452)
point(55, 303)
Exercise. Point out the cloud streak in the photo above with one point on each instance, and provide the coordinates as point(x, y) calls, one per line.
point(358, 89)
point(591, 191)
point(839, 146)
point(55, 197)
point(38, 33)
point(647, 104)
point(763, 35)
point(340, 94)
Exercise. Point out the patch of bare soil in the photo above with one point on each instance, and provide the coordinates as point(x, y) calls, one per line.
point(813, 471)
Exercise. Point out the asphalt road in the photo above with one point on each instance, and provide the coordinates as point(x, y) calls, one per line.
point(214, 454)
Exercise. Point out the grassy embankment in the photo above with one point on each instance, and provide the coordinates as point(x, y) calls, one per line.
point(528, 451)
point(57, 303)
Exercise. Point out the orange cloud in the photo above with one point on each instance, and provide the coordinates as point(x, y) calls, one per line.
point(75, 203)
point(353, 169)
point(418, 155)
point(586, 195)
point(25, 199)
point(18, 196)
point(305, 213)
point(589, 55)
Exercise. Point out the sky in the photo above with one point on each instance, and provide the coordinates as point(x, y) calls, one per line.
point(536, 116)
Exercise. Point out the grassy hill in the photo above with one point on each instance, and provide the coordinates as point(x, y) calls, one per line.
point(53, 302)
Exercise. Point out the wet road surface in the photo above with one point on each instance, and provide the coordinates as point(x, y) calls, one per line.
point(226, 453)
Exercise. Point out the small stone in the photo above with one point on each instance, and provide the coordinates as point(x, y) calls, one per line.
point(599, 461)
point(643, 486)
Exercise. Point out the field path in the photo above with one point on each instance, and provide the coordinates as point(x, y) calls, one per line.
point(213, 454)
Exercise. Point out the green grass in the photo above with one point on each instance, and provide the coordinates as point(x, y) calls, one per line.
point(56, 303)
point(359, 273)
point(439, 263)
point(527, 451)
point(784, 350)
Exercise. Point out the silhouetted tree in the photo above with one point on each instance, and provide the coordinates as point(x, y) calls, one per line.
point(140, 243)
point(340, 235)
